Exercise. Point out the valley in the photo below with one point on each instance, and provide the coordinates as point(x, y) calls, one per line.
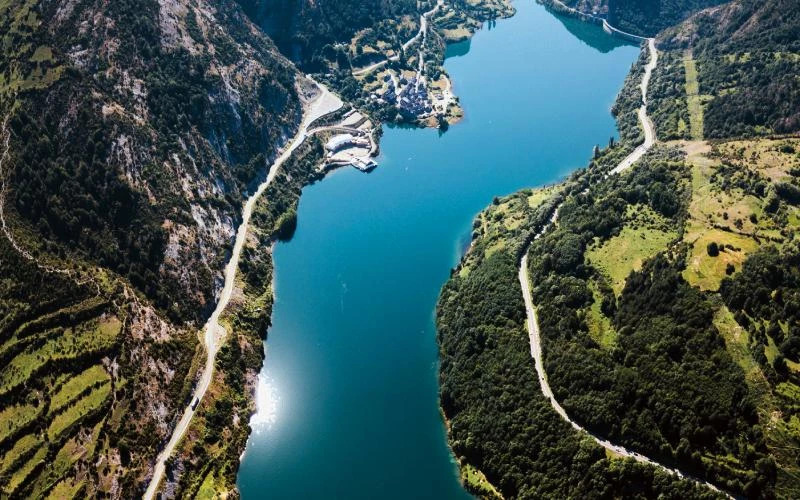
point(196, 300)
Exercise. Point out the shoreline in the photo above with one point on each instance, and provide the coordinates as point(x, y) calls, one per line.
point(215, 332)
point(627, 162)
point(253, 394)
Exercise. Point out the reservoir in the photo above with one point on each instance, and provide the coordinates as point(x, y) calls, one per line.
point(348, 396)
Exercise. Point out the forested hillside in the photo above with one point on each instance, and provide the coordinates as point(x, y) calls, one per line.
point(665, 296)
point(648, 17)
point(134, 132)
point(502, 429)
point(307, 30)
point(640, 17)
point(747, 56)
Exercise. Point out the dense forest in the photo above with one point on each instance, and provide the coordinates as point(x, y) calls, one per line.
point(648, 17)
point(746, 57)
point(665, 385)
point(306, 30)
point(639, 17)
point(499, 422)
point(666, 296)
point(766, 298)
point(641, 362)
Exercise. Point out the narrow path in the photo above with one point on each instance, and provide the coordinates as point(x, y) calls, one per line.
point(5, 139)
point(423, 28)
point(323, 104)
point(530, 308)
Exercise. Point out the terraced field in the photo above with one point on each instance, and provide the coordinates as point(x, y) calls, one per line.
point(56, 379)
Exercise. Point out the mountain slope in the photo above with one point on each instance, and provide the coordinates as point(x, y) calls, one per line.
point(134, 129)
point(305, 29)
point(665, 296)
point(748, 59)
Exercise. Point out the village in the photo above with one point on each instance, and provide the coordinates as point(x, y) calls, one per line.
point(413, 95)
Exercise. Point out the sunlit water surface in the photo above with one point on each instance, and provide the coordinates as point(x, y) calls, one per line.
point(347, 399)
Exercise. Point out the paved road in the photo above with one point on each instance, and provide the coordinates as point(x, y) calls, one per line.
point(533, 322)
point(323, 104)
point(647, 124)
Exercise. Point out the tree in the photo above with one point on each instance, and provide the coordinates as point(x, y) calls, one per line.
point(712, 249)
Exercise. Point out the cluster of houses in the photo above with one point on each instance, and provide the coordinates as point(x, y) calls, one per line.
point(412, 99)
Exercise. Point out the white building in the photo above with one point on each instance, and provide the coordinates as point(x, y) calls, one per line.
point(338, 142)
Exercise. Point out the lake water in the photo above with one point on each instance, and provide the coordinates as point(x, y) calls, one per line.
point(348, 394)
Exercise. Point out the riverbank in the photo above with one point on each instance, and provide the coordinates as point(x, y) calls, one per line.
point(216, 332)
point(552, 208)
point(351, 366)
point(621, 278)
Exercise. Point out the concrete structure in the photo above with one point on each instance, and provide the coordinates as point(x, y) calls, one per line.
point(339, 142)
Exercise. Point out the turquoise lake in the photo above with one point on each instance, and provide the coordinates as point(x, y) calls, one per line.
point(348, 395)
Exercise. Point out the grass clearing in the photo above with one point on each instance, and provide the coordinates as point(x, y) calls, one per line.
point(539, 196)
point(600, 327)
point(22, 447)
point(502, 223)
point(73, 450)
point(707, 272)
point(66, 489)
point(773, 158)
point(737, 343)
point(730, 218)
point(475, 480)
point(643, 236)
point(207, 489)
point(772, 351)
point(89, 337)
point(42, 54)
point(23, 472)
point(14, 418)
point(693, 99)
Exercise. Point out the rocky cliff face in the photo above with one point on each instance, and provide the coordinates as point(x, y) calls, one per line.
point(135, 131)
point(157, 116)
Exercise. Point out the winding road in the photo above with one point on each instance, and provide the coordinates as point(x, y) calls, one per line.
point(530, 308)
point(325, 102)
point(423, 28)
